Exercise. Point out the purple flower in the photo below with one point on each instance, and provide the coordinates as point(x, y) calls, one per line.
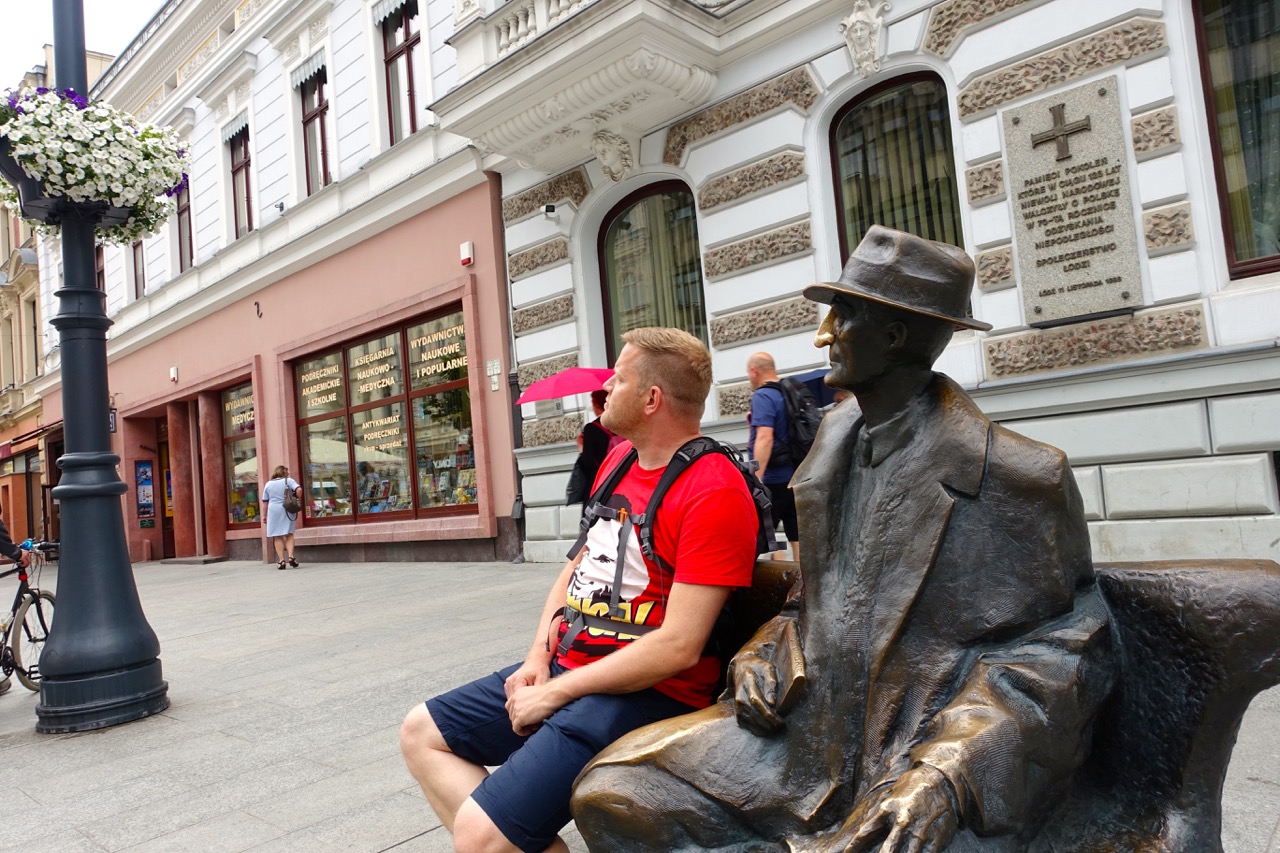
point(178, 187)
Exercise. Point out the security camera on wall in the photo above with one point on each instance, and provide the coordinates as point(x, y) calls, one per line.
point(549, 209)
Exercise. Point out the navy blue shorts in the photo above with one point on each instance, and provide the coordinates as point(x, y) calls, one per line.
point(527, 796)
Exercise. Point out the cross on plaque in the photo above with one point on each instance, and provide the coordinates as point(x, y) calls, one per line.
point(1061, 130)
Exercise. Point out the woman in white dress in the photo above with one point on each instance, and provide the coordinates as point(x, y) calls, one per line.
point(280, 524)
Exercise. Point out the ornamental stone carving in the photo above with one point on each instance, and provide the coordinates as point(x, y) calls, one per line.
point(985, 183)
point(734, 400)
point(861, 31)
point(614, 154)
point(317, 29)
point(761, 249)
point(1155, 131)
point(547, 313)
point(1168, 229)
point(1118, 339)
point(1082, 57)
point(532, 371)
point(995, 268)
point(644, 88)
point(571, 186)
point(951, 18)
point(796, 88)
point(770, 320)
point(544, 431)
point(767, 174)
point(521, 264)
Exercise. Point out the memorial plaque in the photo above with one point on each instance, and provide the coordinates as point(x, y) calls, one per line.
point(1074, 222)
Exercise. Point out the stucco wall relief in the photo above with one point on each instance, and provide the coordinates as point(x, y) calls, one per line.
point(570, 186)
point(756, 177)
point(1155, 132)
point(1086, 344)
point(797, 88)
point(770, 320)
point(762, 248)
point(951, 18)
point(520, 264)
point(1121, 43)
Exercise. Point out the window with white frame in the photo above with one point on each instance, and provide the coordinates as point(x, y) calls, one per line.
point(139, 269)
point(182, 217)
point(400, 40)
point(315, 144)
point(31, 313)
point(241, 190)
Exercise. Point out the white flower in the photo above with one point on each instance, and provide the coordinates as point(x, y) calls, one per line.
point(95, 154)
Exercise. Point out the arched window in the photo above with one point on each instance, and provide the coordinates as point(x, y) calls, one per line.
point(894, 163)
point(651, 264)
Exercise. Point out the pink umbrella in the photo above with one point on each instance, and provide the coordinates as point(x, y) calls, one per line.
point(574, 380)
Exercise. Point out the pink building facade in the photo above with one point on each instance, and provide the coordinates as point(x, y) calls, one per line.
point(377, 375)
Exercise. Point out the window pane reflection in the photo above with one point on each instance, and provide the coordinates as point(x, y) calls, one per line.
point(326, 469)
point(446, 461)
point(382, 459)
point(242, 481)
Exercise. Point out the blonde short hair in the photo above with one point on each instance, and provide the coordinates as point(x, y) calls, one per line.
point(280, 471)
point(676, 362)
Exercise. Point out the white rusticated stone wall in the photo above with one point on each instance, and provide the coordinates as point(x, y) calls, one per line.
point(1169, 416)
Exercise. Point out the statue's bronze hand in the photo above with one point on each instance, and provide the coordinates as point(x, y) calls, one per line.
point(754, 682)
point(917, 814)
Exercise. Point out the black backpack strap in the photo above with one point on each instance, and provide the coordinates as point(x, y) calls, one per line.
point(594, 506)
point(689, 452)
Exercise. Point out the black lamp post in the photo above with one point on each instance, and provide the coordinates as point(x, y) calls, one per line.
point(101, 665)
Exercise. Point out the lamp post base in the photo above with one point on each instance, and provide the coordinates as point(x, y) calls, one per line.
point(99, 700)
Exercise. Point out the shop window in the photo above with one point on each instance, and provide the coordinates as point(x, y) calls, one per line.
point(185, 254)
point(240, 454)
point(241, 191)
point(315, 148)
point(386, 426)
point(651, 264)
point(400, 40)
point(1240, 44)
point(894, 163)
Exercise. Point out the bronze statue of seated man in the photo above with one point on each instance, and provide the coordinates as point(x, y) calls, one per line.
point(943, 676)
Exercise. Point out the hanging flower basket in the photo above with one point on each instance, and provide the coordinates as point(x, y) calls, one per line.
point(66, 157)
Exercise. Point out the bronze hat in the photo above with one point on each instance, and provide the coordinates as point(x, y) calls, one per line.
point(905, 271)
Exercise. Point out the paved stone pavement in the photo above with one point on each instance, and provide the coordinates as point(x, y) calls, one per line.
point(287, 691)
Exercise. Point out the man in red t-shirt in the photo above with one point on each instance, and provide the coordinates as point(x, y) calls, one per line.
point(542, 720)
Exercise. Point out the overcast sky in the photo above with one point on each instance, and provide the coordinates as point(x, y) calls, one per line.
point(109, 26)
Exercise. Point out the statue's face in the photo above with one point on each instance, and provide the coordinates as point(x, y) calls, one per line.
point(858, 344)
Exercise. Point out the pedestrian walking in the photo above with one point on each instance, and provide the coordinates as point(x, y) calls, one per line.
point(280, 521)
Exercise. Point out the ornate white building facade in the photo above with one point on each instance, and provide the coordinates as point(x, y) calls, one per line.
point(1110, 165)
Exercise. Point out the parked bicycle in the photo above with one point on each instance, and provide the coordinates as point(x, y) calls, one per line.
point(26, 629)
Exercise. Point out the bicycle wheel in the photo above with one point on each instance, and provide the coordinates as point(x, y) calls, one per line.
point(30, 630)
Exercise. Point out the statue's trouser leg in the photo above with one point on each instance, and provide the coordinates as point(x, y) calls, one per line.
point(643, 809)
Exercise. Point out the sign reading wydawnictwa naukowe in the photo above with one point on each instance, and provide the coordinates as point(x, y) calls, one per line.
point(1074, 221)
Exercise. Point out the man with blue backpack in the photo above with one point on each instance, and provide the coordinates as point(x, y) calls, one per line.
point(625, 636)
point(784, 419)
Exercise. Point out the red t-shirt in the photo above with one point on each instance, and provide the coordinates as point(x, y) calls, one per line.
point(706, 529)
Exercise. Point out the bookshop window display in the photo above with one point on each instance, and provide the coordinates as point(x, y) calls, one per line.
point(385, 426)
point(240, 455)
